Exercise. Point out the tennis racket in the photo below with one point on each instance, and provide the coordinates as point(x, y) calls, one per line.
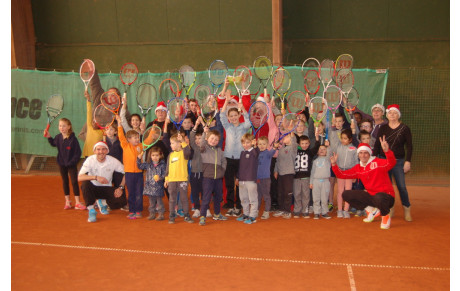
point(111, 101)
point(351, 103)
point(201, 93)
point(217, 72)
point(258, 116)
point(345, 81)
point(208, 109)
point(326, 72)
point(288, 124)
point(310, 64)
point(242, 78)
point(53, 109)
point(128, 74)
point(318, 109)
point(146, 98)
point(150, 137)
point(333, 97)
point(296, 102)
point(263, 69)
point(103, 117)
point(177, 110)
point(281, 83)
point(344, 62)
point(311, 82)
point(87, 70)
point(187, 77)
point(168, 89)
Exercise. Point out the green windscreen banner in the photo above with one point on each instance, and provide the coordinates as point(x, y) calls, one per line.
point(30, 90)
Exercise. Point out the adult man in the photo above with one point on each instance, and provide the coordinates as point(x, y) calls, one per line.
point(96, 174)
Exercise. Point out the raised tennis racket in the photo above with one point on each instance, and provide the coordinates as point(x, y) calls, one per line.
point(296, 102)
point(187, 76)
point(310, 64)
point(128, 75)
point(345, 81)
point(168, 89)
point(258, 116)
point(103, 117)
point(326, 72)
point(208, 109)
point(281, 83)
point(146, 98)
point(111, 101)
point(53, 109)
point(333, 97)
point(344, 62)
point(311, 82)
point(242, 78)
point(150, 137)
point(177, 110)
point(263, 69)
point(318, 110)
point(288, 124)
point(87, 70)
point(351, 103)
point(217, 72)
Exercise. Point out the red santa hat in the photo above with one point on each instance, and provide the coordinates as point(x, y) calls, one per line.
point(394, 107)
point(100, 143)
point(161, 106)
point(262, 97)
point(364, 147)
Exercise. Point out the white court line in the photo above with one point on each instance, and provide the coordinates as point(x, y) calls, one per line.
point(351, 278)
point(229, 257)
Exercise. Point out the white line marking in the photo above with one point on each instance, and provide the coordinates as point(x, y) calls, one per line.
point(351, 278)
point(229, 257)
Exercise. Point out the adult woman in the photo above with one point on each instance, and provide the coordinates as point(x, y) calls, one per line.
point(398, 136)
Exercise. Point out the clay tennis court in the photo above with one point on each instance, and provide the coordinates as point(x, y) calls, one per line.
point(52, 248)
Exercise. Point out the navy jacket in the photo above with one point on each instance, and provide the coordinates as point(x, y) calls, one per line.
point(69, 151)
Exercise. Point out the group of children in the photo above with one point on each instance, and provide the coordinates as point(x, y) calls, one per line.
point(204, 155)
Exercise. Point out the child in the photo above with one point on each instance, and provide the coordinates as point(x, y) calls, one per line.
point(214, 164)
point(193, 109)
point(196, 173)
point(303, 163)
point(319, 182)
point(69, 154)
point(134, 121)
point(176, 179)
point(348, 157)
point(284, 173)
point(246, 179)
point(154, 181)
point(234, 131)
point(366, 126)
point(263, 175)
point(273, 180)
point(133, 175)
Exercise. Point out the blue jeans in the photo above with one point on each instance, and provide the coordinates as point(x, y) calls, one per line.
point(398, 173)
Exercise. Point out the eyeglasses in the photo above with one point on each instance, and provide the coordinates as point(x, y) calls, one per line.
point(365, 126)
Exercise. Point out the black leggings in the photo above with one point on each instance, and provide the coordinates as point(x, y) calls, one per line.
point(73, 173)
point(360, 199)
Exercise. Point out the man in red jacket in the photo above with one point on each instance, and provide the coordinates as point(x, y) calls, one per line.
point(373, 172)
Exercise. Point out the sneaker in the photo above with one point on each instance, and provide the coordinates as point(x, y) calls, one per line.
point(339, 214)
point(196, 213)
point(236, 212)
point(208, 213)
point(287, 215)
point(131, 215)
point(219, 217)
point(188, 219)
point(92, 215)
point(202, 220)
point(331, 207)
point(102, 207)
point(250, 220)
point(125, 208)
point(326, 216)
point(229, 212)
point(386, 220)
point(306, 215)
point(346, 214)
point(310, 209)
point(278, 213)
point(372, 213)
point(138, 215)
point(360, 213)
point(160, 217)
point(151, 216)
point(67, 206)
point(296, 215)
point(265, 215)
point(316, 216)
point(242, 218)
point(180, 213)
point(172, 220)
point(352, 210)
point(80, 206)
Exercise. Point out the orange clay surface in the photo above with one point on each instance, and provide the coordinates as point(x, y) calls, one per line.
point(56, 249)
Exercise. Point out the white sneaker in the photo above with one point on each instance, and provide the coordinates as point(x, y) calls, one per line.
point(208, 213)
point(372, 213)
point(339, 214)
point(346, 214)
point(265, 215)
point(278, 213)
point(196, 214)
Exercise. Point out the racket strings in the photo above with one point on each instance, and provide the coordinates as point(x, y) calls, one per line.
point(103, 117)
point(258, 114)
point(146, 96)
point(296, 102)
point(151, 136)
point(111, 101)
point(218, 72)
point(128, 73)
point(187, 75)
point(263, 68)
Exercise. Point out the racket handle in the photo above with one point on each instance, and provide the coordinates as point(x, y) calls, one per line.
point(265, 93)
point(46, 129)
point(282, 105)
point(124, 95)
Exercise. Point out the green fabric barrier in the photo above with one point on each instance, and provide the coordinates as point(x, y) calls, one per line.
point(31, 89)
